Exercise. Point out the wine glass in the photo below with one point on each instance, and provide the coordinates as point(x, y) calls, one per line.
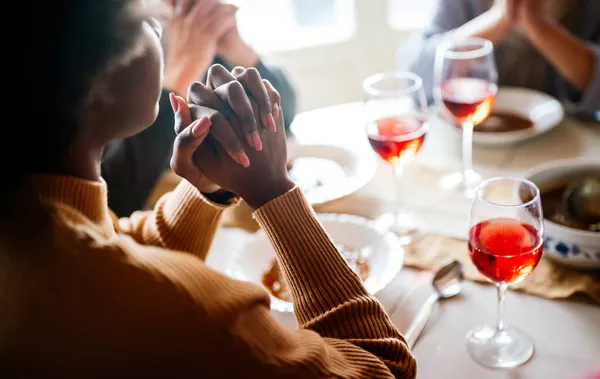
point(505, 244)
point(465, 90)
point(395, 111)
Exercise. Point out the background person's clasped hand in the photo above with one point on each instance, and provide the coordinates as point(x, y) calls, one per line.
point(199, 31)
point(192, 38)
point(522, 13)
point(235, 50)
point(530, 11)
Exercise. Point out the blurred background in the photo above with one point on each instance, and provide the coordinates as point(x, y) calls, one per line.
point(329, 46)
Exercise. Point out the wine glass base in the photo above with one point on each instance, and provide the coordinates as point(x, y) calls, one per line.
point(402, 225)
point(465, 182)
point(506, 348)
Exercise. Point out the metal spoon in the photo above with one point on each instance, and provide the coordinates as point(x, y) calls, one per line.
point(581, 202)
point(446, 283)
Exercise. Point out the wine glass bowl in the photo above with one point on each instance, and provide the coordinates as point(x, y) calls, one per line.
point(397, 140)
point(468, 100)
point(505, 245)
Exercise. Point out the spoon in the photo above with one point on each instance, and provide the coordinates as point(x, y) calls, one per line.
point(446, 283)
point(581, 202)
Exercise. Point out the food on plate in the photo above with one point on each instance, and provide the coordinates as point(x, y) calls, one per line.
point(274, 282)
point(500, 122)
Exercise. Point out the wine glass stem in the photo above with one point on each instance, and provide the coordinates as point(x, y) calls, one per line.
point(467, 148)
point(501, 295)
point(397, 173)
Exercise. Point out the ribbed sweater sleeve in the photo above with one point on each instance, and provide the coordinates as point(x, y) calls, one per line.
point(329, 297)
point(182, 220)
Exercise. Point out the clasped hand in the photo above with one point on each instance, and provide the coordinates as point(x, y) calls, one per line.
point(237, 141)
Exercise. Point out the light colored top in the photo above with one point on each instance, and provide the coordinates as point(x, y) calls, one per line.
point(450, 15)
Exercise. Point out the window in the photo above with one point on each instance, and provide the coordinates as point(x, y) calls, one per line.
point(329, 46)
point(410, 14)
point(279, 25)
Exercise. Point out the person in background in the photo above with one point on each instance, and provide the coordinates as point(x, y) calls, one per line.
point(201, 33)
point(551, 46)
point(85, 295)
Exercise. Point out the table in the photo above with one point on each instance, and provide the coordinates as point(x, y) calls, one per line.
point(442, 212)
point(566, 333)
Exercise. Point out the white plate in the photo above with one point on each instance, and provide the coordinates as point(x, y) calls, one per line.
point(384, 254)
point(544, 110)
point(353, 171)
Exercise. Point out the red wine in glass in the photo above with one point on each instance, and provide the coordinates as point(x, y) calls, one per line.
point(505, 250)
point(468, 99)
point(397, 139)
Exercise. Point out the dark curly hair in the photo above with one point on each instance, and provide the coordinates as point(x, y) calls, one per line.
point(73, 41)
point(89, 35)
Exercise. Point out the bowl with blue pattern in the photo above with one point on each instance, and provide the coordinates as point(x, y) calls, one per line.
point(567, 245)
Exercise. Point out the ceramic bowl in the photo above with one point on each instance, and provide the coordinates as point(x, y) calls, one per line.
point(565, 245)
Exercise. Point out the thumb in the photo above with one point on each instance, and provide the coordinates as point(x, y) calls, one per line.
point(183, 115)
point(184, 147)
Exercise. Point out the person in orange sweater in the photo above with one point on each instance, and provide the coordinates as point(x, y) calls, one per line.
point(84, 295)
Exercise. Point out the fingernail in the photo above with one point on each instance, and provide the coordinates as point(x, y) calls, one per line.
point(276, 110)
point(174, 102)
point(256, 141)
point(201, 126)
point(272, 125)
point(243, 158)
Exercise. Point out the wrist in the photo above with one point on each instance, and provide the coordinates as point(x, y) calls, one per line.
point(221, 196)
point(533, 25)
point(242, 55)
point(502, 21)
point(494, 25)
point(177, 84)
point(269, 192)
point(179, 75)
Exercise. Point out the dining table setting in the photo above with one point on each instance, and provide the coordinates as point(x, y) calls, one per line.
point(479, 208)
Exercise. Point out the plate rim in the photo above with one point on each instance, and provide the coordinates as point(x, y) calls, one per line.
point(367, 161)
point(287, 307)
point(508, 138)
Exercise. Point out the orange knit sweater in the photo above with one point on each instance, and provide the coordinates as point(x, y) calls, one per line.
point(84, 295)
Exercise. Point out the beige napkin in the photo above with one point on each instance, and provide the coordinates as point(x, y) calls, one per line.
point(549, 280)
